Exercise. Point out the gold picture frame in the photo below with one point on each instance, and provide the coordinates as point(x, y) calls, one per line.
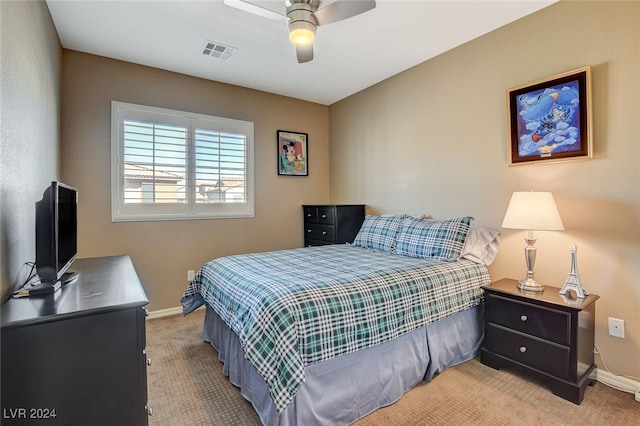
point(550, 120)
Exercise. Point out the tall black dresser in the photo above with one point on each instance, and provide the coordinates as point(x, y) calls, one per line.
point(331, 223)
point(77, 357)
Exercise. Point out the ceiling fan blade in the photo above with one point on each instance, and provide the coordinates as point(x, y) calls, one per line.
point(344, 9)
point(256, 9)
point(304, 53)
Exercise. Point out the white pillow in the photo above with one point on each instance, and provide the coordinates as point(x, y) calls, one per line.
point(481, 245)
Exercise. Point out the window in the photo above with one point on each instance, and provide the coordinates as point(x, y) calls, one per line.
point(174, 165)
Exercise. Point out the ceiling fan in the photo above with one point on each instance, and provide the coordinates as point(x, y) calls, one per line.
point(304, 16)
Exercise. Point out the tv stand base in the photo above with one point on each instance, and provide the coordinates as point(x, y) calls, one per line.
point(44, 289)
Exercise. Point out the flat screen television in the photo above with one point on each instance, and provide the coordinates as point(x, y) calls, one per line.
point(56, 234)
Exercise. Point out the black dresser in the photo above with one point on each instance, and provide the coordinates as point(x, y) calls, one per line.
point(77, 356)
point(545, 335)
point(331, 224)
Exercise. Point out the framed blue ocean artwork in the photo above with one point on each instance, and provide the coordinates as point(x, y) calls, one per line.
point(550, 120)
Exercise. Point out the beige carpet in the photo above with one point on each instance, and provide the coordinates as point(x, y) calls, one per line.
point(187, 387)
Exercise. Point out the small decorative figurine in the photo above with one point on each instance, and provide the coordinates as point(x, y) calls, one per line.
point(573, 280)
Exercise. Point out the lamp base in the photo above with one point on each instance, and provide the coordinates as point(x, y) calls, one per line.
point(529, 284)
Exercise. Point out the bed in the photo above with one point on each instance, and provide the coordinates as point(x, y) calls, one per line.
point(329, 334)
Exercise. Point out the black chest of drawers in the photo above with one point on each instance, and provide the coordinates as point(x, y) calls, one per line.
point(331, 224)
point(77, 356)
point(546, 335)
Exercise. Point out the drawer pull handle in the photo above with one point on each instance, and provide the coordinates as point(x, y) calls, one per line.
point(308, 230)
point(324, 216)
point(149, 362)
point(523, 318)
point(523, 349)
point(324, 232)
point(308, 214)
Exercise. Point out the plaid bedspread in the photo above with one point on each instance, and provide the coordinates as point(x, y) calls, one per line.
point(293, 308)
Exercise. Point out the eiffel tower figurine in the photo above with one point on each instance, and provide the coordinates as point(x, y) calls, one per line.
point(573, 280)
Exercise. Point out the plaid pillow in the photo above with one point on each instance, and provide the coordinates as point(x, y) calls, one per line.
point(431, 239)
point(379, 232)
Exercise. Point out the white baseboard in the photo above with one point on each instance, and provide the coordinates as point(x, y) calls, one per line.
point(167, 312)
point(618, 382)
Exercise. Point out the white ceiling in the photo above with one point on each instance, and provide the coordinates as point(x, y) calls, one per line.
point(349, 55)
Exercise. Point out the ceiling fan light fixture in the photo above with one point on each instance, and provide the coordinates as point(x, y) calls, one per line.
point(302, 23)
point(302, 33)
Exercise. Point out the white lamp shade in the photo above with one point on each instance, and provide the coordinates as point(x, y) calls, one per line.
point(534, 211)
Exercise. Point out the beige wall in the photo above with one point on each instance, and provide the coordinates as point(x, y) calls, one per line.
point(433, 140)
point(163, 251)
point(29, 105)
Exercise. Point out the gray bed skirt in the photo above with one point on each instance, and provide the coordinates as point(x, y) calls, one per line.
point(344, 389)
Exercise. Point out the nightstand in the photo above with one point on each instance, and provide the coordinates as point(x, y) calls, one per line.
point(331, 224)
point(545, 335)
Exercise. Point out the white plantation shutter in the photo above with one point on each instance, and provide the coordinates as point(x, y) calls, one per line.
point(220, 160)
point(158, 154)
point(170, 165)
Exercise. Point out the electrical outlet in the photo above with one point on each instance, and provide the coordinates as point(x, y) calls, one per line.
point(190, 275)
point(616, 327)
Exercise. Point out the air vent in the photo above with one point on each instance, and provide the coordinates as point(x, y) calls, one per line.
point(217, 50)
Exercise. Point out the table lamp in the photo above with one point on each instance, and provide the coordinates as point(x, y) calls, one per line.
point(533, 211)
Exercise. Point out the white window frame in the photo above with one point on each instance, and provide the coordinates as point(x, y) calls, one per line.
point(121, 211)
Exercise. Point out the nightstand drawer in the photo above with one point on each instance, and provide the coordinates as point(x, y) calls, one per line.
point(539, 321)
point(319, 232)
point(538, 354)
